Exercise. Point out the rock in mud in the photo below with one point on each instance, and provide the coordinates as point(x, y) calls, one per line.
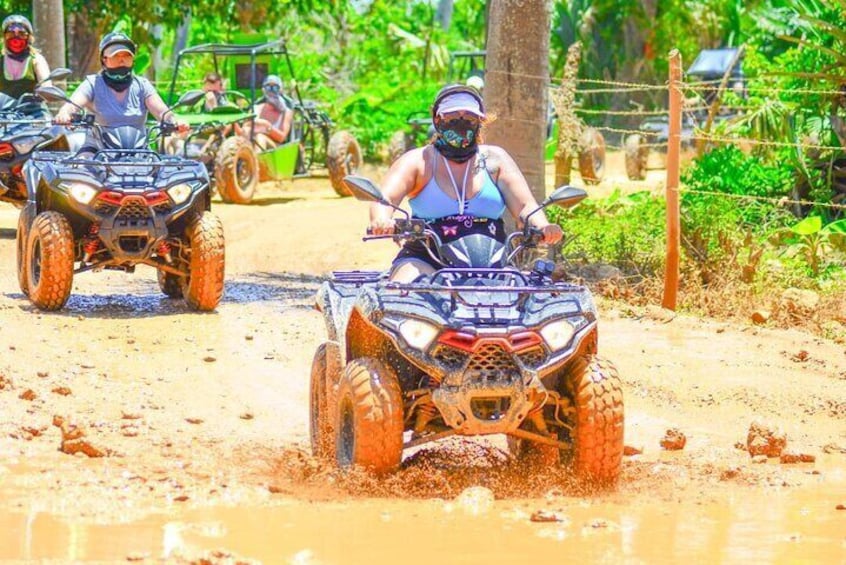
point(790, 457)
point(194, 420)
point(5, 383)
point(62, 390)
point(760, 317)
point(73, 441)
point(629, 450)
point(673, 440)
point(731, 473)
point(763, 439)
point(841, 507)
point(28, 394)
point(545, 516)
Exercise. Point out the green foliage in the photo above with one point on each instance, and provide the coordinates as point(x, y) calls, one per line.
point(622, 230)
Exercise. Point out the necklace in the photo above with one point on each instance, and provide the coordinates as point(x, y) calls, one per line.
point(462, 198)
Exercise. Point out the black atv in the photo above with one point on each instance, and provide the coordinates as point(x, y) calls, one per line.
point(479, 347)
point(114, 207)
point(25, 126)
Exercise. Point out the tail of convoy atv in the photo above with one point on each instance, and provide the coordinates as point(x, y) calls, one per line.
point(709, 65)
point(116, 207)
point(479, 347)
point(236, 164)
point(466, 64)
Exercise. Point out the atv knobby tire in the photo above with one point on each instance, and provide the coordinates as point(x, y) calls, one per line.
point(397, 146)
point(343, 157)
point(597, 395)
point(325, 371)
point(592, 156)
point(49, 258)
point(24, 221)
point(236, 170)
point(637, 155)
point(369, 417)
point(203, 287)
point(170, 284)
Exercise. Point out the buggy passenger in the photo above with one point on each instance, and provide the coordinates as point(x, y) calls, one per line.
point(273, 115)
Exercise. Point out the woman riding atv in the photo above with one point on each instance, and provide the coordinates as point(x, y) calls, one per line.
point(23, 66)
point(116, 96)
point(457, 184)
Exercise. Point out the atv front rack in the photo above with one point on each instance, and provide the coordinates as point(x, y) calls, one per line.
point(157, 162)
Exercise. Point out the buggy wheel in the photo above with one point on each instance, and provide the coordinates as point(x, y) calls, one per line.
point(595, 390)
point(24, 221)
point(637, 155)
point(369, 417)
point(343, 157)
point(170, 284)
point(49, 260)
point(397, 146)
point(325, 370)
point(236, 170)
point(592, 156)
point(203, 287)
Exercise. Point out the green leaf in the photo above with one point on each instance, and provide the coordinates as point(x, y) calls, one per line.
point(836, 227)
point(808, 226)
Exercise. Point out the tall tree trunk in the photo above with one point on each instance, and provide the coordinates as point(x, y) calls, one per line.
point(49, 22)
point(83, 39)
point(516, 83)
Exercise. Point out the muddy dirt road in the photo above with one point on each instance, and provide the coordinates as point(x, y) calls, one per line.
point(202, 421)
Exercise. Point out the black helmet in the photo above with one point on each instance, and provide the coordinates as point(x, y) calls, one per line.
point(19, 20)
point(116, 38)
point(451, 89)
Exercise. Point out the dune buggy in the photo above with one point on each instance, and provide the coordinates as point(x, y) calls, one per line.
point(236, 163)
point(479, 347)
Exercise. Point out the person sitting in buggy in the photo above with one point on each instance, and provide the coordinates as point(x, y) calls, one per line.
point(213, 87)
point(456, 183)
point(273, 115)
point(116, 96)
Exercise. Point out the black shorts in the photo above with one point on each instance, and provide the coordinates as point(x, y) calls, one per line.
point(449, 229)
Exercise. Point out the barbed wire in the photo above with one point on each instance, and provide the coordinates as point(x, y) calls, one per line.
point(621, 112)
point(782, 201)
point(764, 143)
point(624, 131)
point(696, 87)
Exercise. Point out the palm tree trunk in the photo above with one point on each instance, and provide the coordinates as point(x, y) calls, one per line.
point(516, 83)
point(49, 21)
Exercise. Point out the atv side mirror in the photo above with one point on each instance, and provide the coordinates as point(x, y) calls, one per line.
point(53, 94)
point(564, 196)
point(59, 73)
point(363, 189)
point(190, 98)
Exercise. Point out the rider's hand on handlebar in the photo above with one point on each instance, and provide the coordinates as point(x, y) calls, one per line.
point(552, 234)
point(382, 226)
point(63, 117)
point(182, 127)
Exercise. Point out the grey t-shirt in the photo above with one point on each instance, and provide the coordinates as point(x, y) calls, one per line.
point(114, 109)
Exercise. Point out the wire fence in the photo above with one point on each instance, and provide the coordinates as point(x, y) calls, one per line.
point(619, 125)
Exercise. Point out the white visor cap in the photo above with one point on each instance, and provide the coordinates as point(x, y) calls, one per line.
point(458, 102)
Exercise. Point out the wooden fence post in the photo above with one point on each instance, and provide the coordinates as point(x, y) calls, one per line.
point(671, 272)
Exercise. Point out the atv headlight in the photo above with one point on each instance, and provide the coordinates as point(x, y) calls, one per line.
point(418, 334)
point(558, 334)
point(179, 193)
point(81, 192)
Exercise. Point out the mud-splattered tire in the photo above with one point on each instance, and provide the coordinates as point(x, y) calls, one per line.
point(597, 395)
point(49, 254)
point(236, 170)
point(24, 221)
point(637, 155)
point(592, 156)
point(397, 146)
point(203, 287)
point(369, 417)
point(343, 157)
point(325, 370)
point(170, 284)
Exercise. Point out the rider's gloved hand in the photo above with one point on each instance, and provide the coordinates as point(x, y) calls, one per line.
point(381, 226)
point(552, 234)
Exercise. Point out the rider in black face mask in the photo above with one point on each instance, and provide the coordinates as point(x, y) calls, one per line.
point(116, 96)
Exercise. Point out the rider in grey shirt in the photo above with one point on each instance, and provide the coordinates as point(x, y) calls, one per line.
point(116, 96)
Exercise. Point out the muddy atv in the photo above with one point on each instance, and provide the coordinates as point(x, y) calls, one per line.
point(25, 127)
point(479, 347)
point(709, 66)
point(236, 164)
point(116, 206)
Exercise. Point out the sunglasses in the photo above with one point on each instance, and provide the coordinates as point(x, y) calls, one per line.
point(272, 88)
point(10, 33)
